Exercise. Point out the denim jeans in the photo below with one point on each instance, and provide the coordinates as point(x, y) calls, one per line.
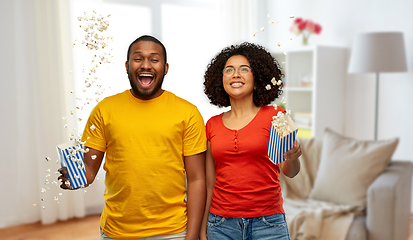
point(272, 227)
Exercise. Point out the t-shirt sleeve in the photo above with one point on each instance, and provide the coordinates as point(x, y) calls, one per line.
point(94, 132)
point(208, 130)
point(194, 136)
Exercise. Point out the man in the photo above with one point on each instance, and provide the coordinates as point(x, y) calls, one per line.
point(151, 138)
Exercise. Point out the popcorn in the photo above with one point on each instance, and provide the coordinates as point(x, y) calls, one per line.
point(262, 29)
point(71, 159)
point(268, 87)
point(273, 81)
point(92, 127)
point(93, 157)
point(283, 133)
point(292, 17)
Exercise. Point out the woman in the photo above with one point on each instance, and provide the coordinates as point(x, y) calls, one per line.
point(243, 190)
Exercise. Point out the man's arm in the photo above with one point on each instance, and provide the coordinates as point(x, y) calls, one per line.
point(210, 182)
point(91, 167)
point(196, 193)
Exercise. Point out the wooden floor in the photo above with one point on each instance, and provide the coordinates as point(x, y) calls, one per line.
point(76, 229)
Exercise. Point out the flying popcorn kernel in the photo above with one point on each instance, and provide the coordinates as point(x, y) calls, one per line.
point(273, 81)
point(67, 183)
point(93, 157)
point(279, 82)
point(268, 87)
point(292, 17)
point(262, 29)
point(92, 127)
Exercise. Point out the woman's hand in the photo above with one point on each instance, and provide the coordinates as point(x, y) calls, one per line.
point(291, 166)
point(293, 153)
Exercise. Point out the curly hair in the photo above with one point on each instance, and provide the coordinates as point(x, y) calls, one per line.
point(263, 65)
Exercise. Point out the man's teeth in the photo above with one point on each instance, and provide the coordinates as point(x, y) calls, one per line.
point(145, 75)
point(236, 84)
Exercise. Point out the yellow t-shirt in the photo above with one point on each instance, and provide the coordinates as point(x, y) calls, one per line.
point(145, 142)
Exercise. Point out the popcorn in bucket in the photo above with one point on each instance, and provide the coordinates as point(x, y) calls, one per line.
point(71, 159)
point(283, 133)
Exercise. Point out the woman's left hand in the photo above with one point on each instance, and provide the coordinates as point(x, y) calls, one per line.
point(294, 152)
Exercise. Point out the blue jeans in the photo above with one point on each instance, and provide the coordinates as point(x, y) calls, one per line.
point(256, 228)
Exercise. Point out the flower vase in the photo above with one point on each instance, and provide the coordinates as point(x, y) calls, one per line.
point(305, 40)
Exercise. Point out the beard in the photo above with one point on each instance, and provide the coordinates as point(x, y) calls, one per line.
point(145, 93)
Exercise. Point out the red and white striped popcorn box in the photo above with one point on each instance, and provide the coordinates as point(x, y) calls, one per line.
point(71, 158)
point(278, 145)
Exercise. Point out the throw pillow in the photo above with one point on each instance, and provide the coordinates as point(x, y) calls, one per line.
point(348, 167)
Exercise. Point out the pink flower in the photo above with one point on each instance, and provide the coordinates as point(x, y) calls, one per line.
point(301, 25)
point(310, 26)
point(297, 20)
point(317, 28)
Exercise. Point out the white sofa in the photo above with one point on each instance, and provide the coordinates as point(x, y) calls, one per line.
point(386, 215)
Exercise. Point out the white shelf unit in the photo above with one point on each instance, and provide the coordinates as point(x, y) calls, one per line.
point(314, 87)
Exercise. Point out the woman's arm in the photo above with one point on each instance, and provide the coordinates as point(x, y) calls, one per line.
point(291, 166)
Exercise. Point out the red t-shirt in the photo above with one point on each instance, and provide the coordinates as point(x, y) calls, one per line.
point(247, 183)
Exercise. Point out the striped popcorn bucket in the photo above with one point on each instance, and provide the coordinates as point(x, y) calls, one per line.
point(71, 159)
point(278, 145)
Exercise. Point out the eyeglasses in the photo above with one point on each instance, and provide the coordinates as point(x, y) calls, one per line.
point(242, 71)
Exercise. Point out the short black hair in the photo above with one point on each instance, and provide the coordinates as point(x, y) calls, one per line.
point(147, 38)
point(263, 65)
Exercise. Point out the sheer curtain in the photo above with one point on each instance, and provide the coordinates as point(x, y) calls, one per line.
point(35, 66)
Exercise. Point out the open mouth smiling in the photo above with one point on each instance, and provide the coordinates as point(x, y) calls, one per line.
point(146, 79)
point(236, 84)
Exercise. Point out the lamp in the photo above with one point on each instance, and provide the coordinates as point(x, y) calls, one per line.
point(378, 52)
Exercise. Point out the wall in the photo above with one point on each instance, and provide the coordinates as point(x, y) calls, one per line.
point(342, 21)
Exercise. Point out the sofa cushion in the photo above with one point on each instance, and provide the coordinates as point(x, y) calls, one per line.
point(348, 167)
point(300, 186)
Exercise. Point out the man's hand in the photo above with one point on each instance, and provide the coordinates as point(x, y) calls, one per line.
point(64, 179)
point(93, 160)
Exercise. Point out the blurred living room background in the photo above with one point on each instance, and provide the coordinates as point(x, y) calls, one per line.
point(46, 101)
